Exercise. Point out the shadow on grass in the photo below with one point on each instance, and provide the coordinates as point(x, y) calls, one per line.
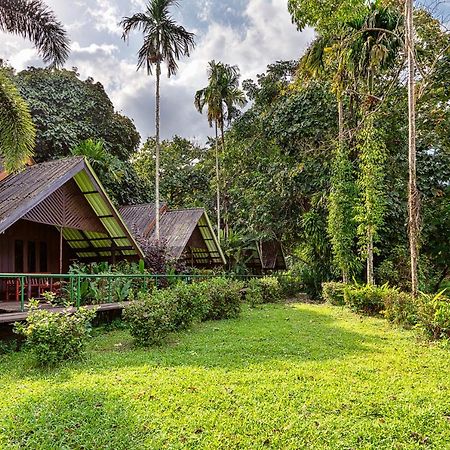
point(278, 334)
point(76, 418)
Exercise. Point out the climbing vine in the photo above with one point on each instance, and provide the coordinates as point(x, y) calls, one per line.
point(341, 213)
point(372, 202)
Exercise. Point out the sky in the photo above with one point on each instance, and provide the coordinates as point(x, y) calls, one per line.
point(248, 33)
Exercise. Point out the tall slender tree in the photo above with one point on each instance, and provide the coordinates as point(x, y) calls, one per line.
point(221, 97)
point(356, 52)
point(413, 194)
point(164, 42)
point(34, 21)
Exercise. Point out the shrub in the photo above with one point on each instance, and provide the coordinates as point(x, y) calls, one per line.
point(223, 297)
point(399, 307)
point(54, 337)
point(191, 304)
point(290, 284)
point(263, 290)
point(333, 292)
point(368, 299)
point(434, 315)
point(151, 317)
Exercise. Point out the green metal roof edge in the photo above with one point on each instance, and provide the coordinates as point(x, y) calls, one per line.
point(92, 173)
point(216, 242)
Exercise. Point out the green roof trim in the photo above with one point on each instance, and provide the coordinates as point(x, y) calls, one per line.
point(210, 238)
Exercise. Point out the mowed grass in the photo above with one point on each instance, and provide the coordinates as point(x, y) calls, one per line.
point(293, 376)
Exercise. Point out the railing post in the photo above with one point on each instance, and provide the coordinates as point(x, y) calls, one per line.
point(109, 289)
point(71, 290)
point(22, 293)
point(78, 290)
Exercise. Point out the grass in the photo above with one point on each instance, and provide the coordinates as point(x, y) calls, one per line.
point(282, 376)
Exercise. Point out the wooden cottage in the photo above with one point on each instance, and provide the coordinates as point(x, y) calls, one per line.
point(55, 212)
point(266, 257)
point(186, 233)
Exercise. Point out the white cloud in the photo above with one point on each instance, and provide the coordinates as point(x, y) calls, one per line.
point(253, 35)
point(92, 49)
point(106, 16)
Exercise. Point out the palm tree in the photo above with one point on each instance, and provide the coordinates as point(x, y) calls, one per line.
point(32, 20)
point(164, 41)
point(221, 97)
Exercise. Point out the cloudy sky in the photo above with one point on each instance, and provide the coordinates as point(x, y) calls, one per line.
point(249, 33)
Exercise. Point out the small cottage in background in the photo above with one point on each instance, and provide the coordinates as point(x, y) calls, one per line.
point(267, 256)
point(186, 233)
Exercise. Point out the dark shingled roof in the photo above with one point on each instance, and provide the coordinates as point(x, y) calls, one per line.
point(25, 191)
point(177, 227)
point(22, 191)
point(140, 218)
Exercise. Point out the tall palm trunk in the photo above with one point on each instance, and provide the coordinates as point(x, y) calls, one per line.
point(217, 182)
point(413, 194)
point(157, 119)
point(224, 194)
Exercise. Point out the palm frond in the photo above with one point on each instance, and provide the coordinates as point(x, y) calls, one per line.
point(164, 40)
point(33, 20)
point(17, 132)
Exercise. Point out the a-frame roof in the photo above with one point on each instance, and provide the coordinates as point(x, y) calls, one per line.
point(176, 229)
point(141, 218)
point(23, 191)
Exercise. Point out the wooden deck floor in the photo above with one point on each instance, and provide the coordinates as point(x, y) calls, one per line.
point(15, 315)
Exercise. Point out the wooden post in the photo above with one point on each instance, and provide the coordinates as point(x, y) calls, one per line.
point(60, 249)
point(113, 252)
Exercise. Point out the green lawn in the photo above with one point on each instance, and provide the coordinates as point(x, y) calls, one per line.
point(282, 376)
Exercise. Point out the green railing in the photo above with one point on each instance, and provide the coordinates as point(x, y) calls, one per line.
point(73, 283)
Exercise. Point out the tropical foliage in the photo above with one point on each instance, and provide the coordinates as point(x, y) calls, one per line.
point(34, 21)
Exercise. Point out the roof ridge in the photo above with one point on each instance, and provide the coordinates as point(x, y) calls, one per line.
point(187, 209)
point(142, 204)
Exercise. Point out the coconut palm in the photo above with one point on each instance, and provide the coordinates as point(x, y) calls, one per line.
point(164, 42)
point(32, 20)
point(221, 97)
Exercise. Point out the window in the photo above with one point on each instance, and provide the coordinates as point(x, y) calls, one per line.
point(31, 256)
point(43, 257)
point(18, 256)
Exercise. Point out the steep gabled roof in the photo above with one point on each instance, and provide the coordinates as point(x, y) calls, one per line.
point(23, 191)
point(20, 192)
point(176, 229)
point(141, 218)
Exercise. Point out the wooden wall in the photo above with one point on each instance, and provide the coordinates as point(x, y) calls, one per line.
point(31, 231)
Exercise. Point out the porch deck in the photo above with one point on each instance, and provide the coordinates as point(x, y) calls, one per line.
point(10, 311)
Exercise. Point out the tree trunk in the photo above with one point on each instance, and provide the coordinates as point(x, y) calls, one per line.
point(157, 119)
point(341, 121)
point(217, 183)
point(413, 194)
point(224, 196)
point(345, 274)
point(370, 275)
